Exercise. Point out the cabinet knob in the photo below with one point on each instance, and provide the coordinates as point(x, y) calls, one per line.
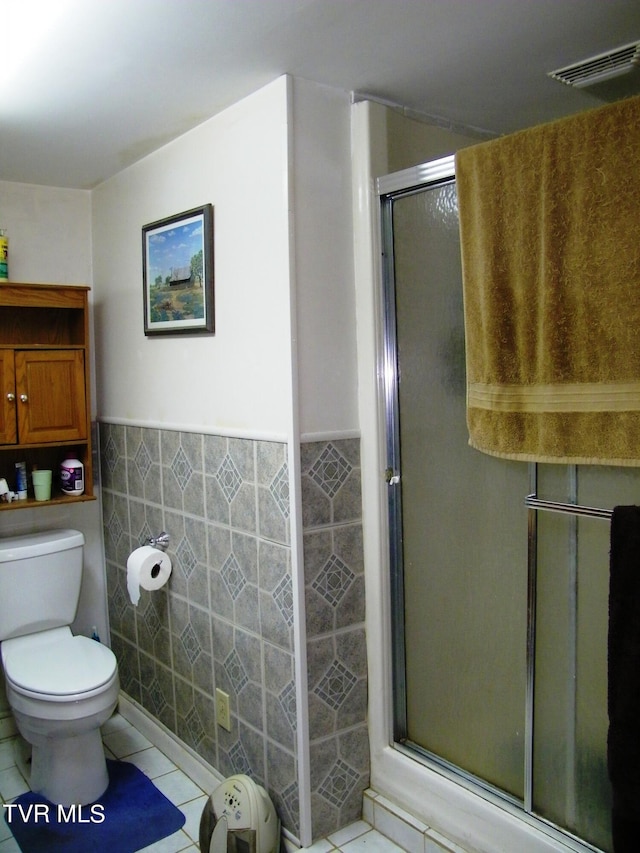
point(23, 398)
point(11, 397)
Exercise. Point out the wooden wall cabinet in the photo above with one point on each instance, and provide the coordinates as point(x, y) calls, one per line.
point(45, 413)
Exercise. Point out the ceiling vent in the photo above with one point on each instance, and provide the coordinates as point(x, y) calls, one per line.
point(609, 76)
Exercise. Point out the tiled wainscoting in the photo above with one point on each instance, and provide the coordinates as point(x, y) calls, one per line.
point(226, 617)
point(336, 642)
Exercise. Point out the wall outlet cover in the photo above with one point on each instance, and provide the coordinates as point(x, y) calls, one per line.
point(223, 712)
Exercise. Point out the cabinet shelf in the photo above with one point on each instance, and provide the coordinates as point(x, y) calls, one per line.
point(27, 448)
point(45, 383)
point(37, 346)
point(56, 499)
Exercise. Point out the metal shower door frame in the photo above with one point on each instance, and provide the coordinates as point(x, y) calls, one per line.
point(389, 189)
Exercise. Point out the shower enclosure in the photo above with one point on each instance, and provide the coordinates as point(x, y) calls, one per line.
point(499, 581)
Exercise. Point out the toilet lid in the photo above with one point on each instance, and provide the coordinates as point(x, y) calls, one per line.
point(66, 666)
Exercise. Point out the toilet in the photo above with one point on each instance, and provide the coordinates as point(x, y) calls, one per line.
point(61, 687)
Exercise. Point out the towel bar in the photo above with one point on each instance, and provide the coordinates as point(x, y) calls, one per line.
point(533, 502)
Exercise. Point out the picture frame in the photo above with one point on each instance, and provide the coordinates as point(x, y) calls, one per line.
point(178, 274)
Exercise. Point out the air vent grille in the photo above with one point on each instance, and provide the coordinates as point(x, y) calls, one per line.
point(597, 69)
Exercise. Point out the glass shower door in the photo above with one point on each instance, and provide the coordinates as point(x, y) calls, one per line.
point(499, 611)
point(463, 523)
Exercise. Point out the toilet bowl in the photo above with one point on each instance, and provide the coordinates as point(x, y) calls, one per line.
point(60, 687)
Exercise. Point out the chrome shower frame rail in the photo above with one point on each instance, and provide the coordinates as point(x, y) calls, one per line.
point(532, 502)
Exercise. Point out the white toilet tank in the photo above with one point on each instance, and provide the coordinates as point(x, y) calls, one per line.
point(40, 577)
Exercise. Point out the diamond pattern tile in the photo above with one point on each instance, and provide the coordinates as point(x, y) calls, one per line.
point(152, 622)
point(337, 787)
point(156, 697)
point(283, 597)
point(190, 643)
point(194, 726)
point(335, 685)
point(118, 602)
point(110, 455)
point(228, 478)
point(279, 489)
point(235, 670)
point(145, 533)
point(291, 800)
point(287, 699)
point(114, 527)
point(334, 580)
point(181, 468)
point(239, 758)
point(142, 460)
point(330, 471)
point(233, 578)
point(187, 558)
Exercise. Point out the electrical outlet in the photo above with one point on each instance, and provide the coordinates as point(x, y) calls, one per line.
point(223, 712)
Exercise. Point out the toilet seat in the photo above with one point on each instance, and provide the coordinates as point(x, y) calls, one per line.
point(68, 667)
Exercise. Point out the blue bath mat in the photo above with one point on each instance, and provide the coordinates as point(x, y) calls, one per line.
point(131, 814)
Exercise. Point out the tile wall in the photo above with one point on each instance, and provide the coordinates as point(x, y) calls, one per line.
point(336, 650)
point(226, 617)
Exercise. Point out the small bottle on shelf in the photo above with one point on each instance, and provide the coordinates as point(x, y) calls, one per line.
point(21, 480)
point(72, 477)
point(4, 255)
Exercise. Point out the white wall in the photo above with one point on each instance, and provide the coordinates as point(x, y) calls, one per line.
point(238, 379)
point(49, 233)
point(276, 167)
point(324, 291)
point(50, 242)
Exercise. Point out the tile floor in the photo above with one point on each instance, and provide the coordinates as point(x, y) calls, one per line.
point(124, 741)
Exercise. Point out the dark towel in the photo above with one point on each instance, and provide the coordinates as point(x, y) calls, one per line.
point(623, 752)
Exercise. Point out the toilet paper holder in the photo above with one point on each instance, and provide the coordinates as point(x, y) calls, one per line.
point(160, 541)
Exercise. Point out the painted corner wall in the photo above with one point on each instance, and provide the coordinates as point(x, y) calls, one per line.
point(411, 142)
point(325, 321)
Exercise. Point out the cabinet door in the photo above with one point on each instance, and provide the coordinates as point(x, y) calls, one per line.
point(8, 423)
point(51, 396)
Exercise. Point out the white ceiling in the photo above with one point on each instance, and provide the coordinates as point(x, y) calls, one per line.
point(115, 79)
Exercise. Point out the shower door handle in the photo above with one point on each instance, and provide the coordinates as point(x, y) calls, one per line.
point(392, 477)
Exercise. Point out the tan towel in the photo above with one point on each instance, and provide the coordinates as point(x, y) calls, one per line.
point(550, 237)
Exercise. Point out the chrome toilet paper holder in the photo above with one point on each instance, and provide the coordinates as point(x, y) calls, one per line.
point(160, 541)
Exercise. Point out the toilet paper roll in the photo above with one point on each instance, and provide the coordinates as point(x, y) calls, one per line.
point(147, 567)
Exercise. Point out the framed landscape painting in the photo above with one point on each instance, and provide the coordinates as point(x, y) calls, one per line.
point(177, 272)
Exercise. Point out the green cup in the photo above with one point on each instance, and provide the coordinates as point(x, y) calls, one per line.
point(41, 484)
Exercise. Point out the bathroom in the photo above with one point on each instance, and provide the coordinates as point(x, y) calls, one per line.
point(280, 400)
